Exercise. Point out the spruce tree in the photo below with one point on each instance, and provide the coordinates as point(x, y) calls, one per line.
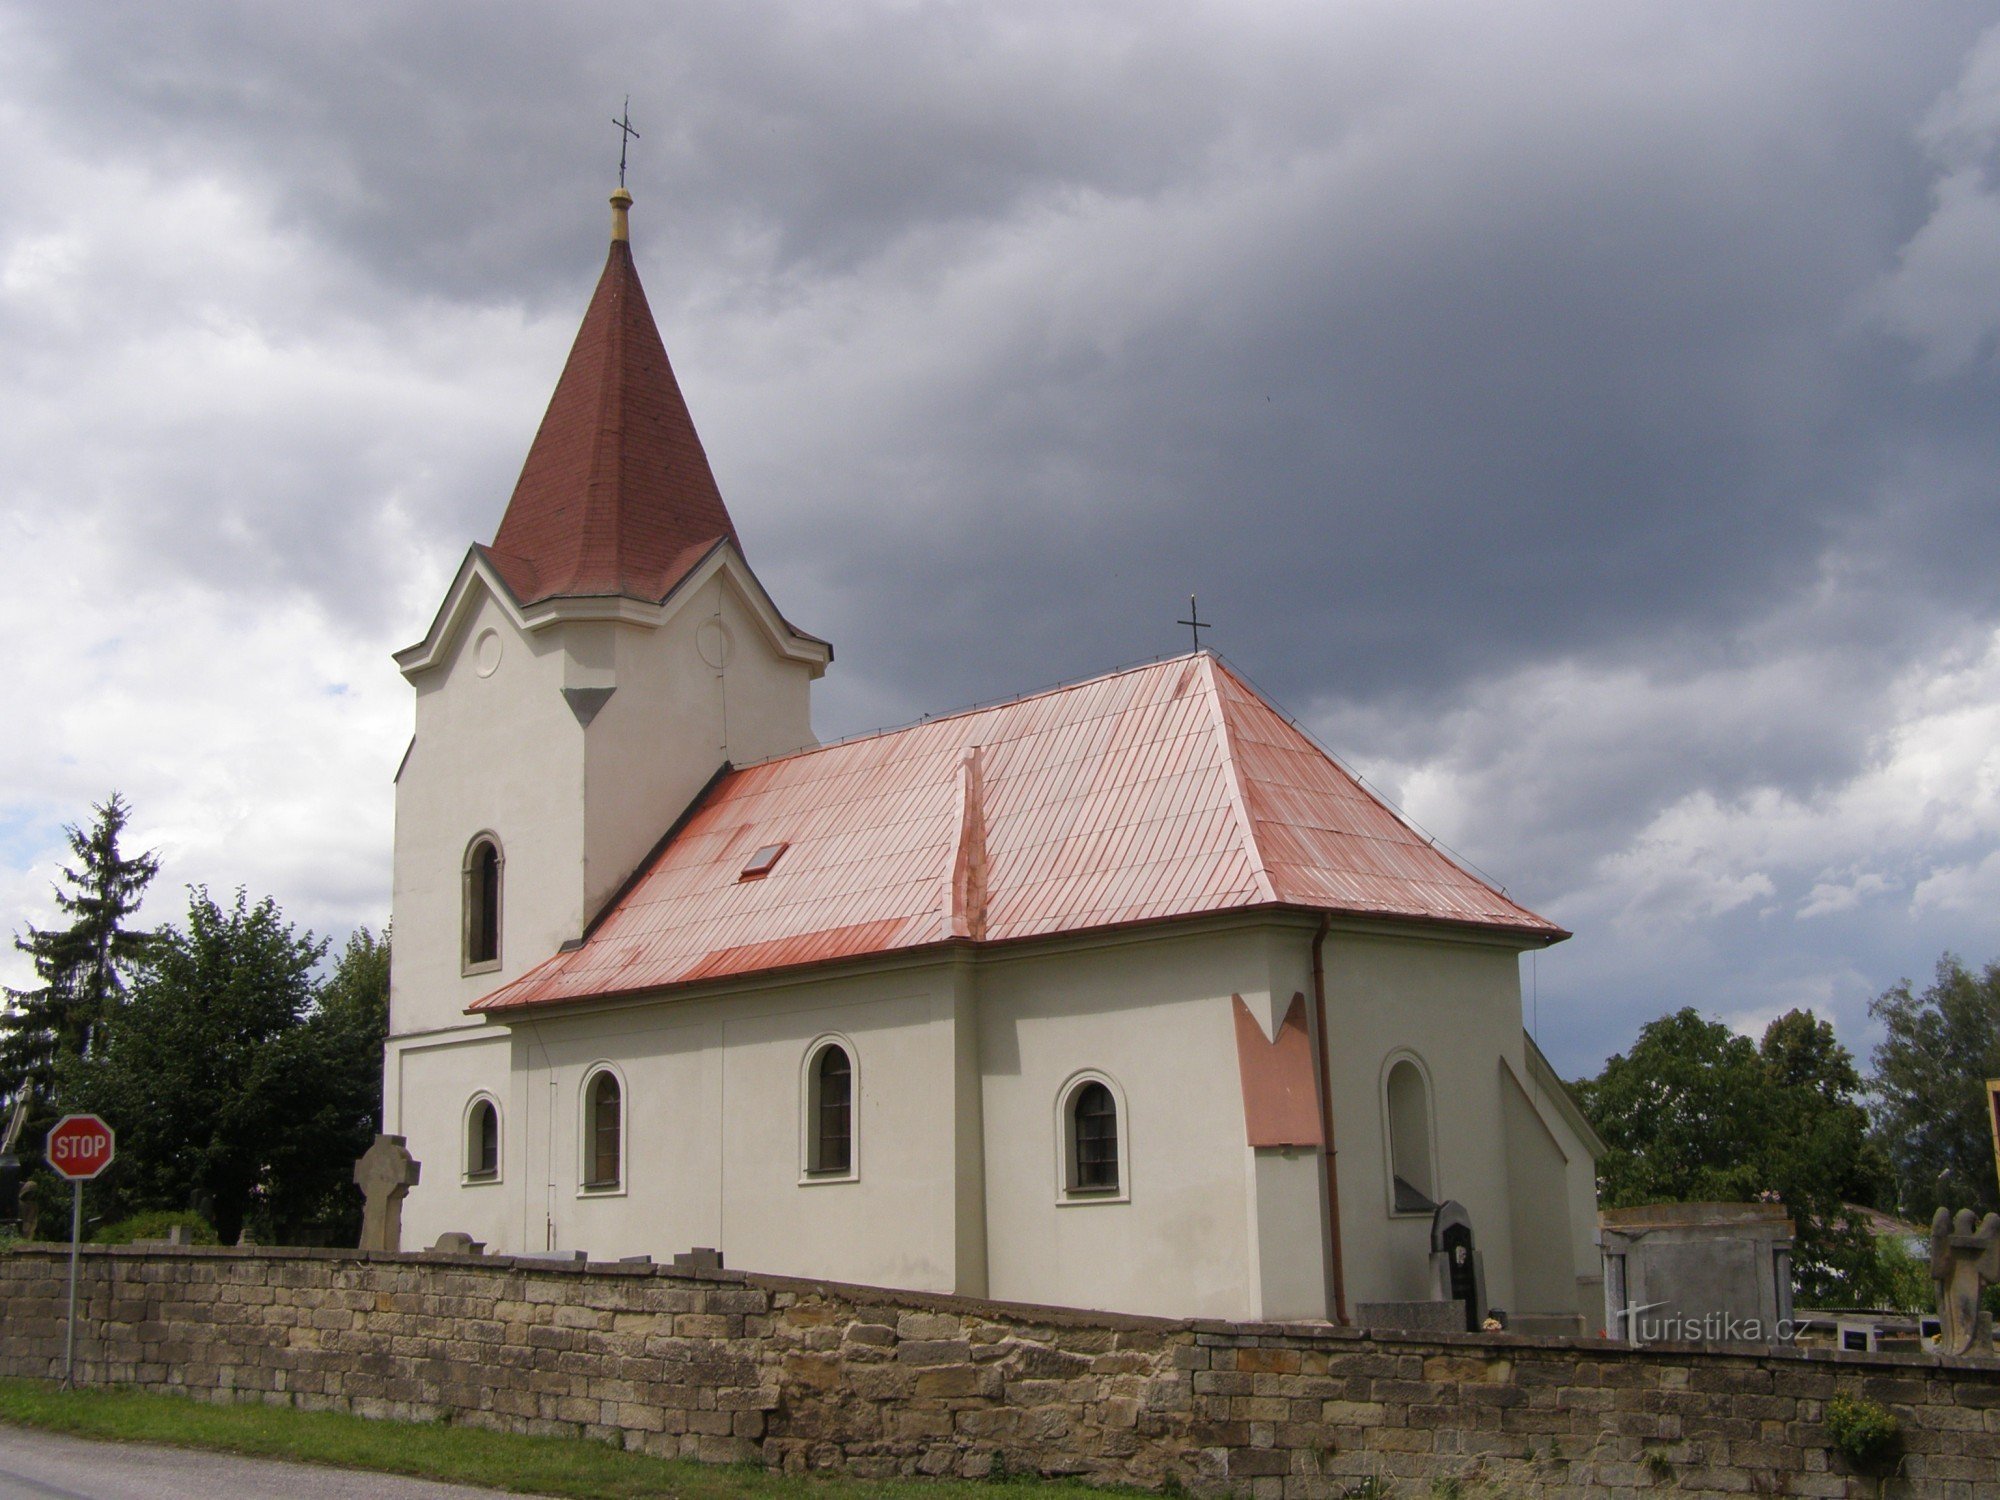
point(82, 967)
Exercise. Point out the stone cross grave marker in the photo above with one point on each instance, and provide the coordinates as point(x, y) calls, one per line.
point(385, 1174)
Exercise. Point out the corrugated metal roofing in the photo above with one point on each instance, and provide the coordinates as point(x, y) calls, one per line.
point(1169, 790)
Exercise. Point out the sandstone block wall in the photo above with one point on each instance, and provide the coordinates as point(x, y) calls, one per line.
point(801, 1375)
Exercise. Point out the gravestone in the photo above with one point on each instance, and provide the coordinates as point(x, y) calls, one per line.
point(29, 1206)
point(456, 1242)
point(10, 1187)
point(385, 1174)
point(1458, 1271)
point(1965, 1260)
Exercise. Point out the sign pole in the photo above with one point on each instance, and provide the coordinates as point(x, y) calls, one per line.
point(75, 1235)
point(79, 1147)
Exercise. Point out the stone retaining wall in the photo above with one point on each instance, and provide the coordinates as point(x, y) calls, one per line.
point(798, 1375)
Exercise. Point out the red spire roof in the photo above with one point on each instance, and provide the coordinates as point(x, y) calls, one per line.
point(616, 496)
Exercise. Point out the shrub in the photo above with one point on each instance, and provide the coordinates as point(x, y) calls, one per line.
point(154, 1226)
point(1864, 1432)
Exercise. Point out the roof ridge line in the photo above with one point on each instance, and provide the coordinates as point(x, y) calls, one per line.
point(861, 735)
point(1233, 777)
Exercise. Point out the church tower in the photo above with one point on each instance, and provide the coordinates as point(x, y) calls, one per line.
point(588, 673)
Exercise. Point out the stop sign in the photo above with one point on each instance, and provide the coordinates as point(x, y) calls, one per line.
point(80, 1147)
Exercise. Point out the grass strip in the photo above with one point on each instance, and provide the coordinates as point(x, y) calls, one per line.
point(575, 1468)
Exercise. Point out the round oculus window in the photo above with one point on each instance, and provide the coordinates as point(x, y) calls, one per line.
point(712, 640)
point(486, 653)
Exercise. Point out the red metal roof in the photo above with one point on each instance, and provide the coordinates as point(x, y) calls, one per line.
point(616, 496)
point(1163, 791)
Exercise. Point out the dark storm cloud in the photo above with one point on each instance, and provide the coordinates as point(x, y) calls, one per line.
point(1599, 392)
point(1488, 339)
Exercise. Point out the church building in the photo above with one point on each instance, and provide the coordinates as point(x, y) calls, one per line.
point(1122, 995)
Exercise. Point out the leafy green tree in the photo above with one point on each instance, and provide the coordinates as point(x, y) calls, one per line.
point(1942, 1044)
point(203, 1076)
point(311, 1197)
point(1822, 1161)
point(1679, 1112)
point(1696, 1113)
point(82, 967)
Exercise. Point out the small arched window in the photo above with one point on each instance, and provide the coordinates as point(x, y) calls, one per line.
point(1412, 1179)
point(830, 1112)
point(483, 866)
point(1094, 1134)
point(1093, 1160)
point(482, 1141)
point(604, 1128)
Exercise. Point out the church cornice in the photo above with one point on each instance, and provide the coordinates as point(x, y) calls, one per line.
point(479, 572)
point(1245, 920)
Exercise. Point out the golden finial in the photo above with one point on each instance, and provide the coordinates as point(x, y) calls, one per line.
point(620, 229)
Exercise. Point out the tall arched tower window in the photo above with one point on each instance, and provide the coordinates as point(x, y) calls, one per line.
point(483, 867)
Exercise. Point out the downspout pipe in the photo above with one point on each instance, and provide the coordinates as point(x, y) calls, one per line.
point(1336, 1275)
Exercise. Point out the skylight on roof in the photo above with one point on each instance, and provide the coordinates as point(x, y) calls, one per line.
point(761, 862)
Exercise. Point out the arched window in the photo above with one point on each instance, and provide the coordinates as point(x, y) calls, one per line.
point(604, 1132)
point(1412, 1174)
point(1096, 1114)
point(482, 1141)
point(1093, 1164)
point(829, 1110)
point(483, 865)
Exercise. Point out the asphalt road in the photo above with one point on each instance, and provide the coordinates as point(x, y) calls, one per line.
point(47, 1466)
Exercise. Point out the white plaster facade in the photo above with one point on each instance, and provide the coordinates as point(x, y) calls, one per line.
point(961, 1065)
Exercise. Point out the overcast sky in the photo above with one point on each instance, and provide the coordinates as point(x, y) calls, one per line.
point(1581, 417)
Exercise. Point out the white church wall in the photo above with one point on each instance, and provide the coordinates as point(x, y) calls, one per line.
point(1583, 1240)
point(1454, 1007)
point(497, 687)
point(1152, 1014)
point(1538, 1185)
point(890, 1222)
point(430, 1083)
point(1288, 1251)
point(703, 687)
point(713, 1110)
point(1579, 1146)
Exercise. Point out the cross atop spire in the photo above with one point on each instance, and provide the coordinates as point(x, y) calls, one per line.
point(626, 135)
